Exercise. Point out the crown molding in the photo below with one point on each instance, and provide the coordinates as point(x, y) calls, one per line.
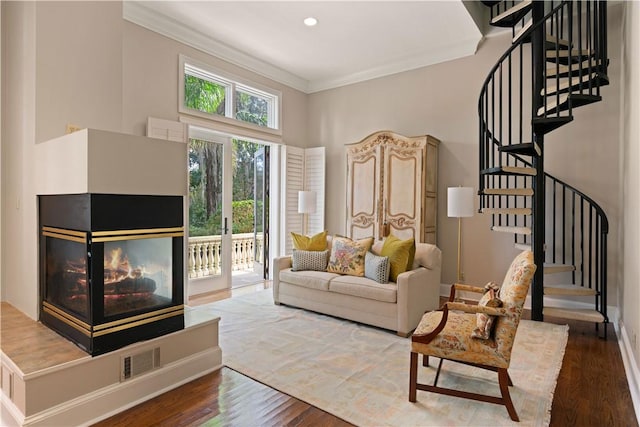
point(435, 56)
point(141, 14)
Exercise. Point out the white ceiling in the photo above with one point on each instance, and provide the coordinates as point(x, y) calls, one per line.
point(353, 41)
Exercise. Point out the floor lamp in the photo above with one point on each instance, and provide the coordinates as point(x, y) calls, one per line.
point(459, 205)
point(306, 205)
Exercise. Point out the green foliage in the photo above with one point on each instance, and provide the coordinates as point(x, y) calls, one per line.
point(242, 216)
point(201, 226)
point(203, 95)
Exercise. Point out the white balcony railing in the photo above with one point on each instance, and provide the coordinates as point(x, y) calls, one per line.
point(204, 253)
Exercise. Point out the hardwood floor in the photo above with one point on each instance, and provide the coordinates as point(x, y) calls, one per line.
point(592, 390)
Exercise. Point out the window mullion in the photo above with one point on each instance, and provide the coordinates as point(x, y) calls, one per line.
point(231, 100)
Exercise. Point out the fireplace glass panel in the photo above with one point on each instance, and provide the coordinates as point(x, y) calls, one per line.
point(137, 275)
point(66, 275)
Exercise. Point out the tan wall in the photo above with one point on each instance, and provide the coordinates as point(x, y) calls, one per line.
point(151, 79)
point(441, 100)
point(629, 297)
point(79, 66)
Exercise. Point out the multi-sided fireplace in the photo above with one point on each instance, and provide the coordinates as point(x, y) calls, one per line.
point(111, 267)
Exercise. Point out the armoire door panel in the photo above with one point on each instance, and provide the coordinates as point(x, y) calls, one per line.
point(403, 191)
point(362, 194)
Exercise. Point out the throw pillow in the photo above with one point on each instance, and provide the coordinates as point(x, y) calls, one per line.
point(317, 242)
point(309, 260)
point(400, 253)
point(347, 256)
point(484, 322)
point(376, 267)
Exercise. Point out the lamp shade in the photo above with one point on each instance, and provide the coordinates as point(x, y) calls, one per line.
point(459, 202)
point(306, 202)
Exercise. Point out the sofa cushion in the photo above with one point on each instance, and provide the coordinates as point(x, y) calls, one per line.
point(317, 242)
point(308, 279)
point(364, 288)
point(427, 255)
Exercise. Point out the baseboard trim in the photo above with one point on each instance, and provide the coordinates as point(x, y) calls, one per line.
point(101, 404)
point(630, 368)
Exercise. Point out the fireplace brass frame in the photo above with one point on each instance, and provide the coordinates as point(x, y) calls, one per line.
point(115, 326)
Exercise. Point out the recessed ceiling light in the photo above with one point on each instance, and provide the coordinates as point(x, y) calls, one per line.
point(310, 21)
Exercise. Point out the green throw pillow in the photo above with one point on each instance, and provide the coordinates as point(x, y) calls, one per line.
point(317, 242)
point(400, 253)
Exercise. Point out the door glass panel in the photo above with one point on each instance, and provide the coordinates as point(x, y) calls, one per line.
point(258, 209)
point(205, 208)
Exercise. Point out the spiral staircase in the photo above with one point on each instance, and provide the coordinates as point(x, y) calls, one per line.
point(557, 62)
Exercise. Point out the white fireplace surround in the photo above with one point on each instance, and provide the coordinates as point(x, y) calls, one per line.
point(97, 161)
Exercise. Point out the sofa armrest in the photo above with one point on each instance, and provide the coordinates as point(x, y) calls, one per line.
point(418, 292)
point(279, 264)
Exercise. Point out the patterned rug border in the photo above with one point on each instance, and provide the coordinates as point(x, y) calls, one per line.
point(240, 313)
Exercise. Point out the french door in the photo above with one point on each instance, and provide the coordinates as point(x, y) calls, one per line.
point(210, 211)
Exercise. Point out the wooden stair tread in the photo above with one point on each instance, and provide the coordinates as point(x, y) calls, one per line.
point(563, 70)
point(558, 268)
point(508, 191)
point(553, 103)
point(566, 84)
point(551, 41)
point(506, 211)
point(527, 149)
point(547, 124)
point(564, 54)
point(581, 314)
point(510, 229)
point(521, 32)
point(526, 246)
point(572, 290)
point(511, 16)
point(510, 170)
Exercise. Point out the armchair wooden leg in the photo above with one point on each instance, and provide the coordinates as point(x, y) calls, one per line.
point(425, 360)
point(504, 380)
point(413, 377)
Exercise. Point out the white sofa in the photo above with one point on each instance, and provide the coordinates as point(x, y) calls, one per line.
point(395, 306)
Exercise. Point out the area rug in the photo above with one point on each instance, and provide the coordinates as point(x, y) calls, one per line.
point(361, 374)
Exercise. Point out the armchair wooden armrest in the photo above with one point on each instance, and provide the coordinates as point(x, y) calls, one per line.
point(460, 287)
point(468, 308)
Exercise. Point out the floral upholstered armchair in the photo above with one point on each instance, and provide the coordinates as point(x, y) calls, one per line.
point(480, 335)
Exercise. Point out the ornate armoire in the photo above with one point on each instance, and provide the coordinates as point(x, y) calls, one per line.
point(392, 184)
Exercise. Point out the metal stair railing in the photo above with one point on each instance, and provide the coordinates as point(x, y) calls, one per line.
point(508, 123)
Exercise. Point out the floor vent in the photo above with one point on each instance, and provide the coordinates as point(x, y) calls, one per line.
point(139, 363)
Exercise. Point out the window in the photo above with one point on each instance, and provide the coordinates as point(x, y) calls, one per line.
point(216, 95)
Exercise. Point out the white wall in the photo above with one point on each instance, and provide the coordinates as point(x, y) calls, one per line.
point(629, 296)
point(19, 280)
point(441, 100)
